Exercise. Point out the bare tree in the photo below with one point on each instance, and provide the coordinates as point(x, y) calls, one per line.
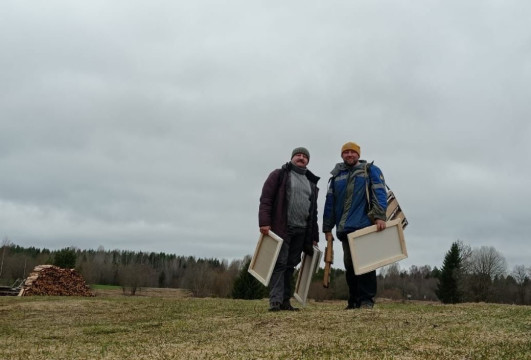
point(391, 271)
point(520, 277)
point(465, 252)
point(135, 276)
point(486, 263)
point(5, 244)
point(199, 279)
point(392, 283)
point(519, 274)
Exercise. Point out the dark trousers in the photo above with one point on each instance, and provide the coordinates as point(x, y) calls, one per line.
point(288, 258)
point(362, 288)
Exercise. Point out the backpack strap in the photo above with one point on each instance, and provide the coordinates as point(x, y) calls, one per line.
point(367, 182)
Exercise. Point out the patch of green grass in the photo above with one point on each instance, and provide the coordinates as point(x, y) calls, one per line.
point(105, 287)
point(189, 328)
point(105, 330)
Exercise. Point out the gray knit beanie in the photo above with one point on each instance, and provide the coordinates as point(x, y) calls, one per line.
point(300, 150)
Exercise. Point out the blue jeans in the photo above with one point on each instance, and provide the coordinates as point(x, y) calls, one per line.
point(288, 258)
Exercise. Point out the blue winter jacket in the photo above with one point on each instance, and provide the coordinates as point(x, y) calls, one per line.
point(346, 205)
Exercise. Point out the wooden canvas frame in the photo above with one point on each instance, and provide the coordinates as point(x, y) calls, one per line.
point(371, 249)
point(309, 266)
point(394, 211)
point(265, 257)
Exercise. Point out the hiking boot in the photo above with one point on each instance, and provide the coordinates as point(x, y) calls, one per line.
point(287, 306)
point(366, 305)
point(274, 306)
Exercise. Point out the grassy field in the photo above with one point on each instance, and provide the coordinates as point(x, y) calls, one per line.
point(109, 290)
point(180, 327)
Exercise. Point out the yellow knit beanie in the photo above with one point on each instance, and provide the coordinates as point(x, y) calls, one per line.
point(351, 146)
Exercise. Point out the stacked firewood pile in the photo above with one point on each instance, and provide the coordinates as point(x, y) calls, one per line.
point(52, 280)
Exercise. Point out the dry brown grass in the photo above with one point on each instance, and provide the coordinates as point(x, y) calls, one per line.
point(142, 292)
point(141, 327)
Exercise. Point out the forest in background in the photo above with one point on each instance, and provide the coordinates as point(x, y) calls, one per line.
point(480, 275)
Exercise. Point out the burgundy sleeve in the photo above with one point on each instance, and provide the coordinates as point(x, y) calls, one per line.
point(267, 199)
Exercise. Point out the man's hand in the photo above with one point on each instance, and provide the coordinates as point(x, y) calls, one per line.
point(308, 249)
point(265, 229)
point(380, 224)
point(329, 236)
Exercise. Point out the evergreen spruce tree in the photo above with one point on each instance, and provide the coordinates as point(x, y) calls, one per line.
point(247, 287)
point(448, 288)
point(65, 258)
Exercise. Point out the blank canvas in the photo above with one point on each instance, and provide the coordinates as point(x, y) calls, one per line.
point(371, 249)
point(309, 266)
point(265, 257)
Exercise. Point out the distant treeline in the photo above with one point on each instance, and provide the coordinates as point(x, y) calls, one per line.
point(129, 269)
point(220, 278)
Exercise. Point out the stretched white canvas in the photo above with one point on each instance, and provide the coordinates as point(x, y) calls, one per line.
point(309, 266)
point(265, 256)
point(371, 249)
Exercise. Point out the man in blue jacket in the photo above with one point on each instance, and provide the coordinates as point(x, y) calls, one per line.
point(356, 198)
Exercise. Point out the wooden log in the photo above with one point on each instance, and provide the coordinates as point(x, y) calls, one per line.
point(55, 281)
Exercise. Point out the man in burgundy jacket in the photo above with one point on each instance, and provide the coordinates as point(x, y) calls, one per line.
point(288, 207)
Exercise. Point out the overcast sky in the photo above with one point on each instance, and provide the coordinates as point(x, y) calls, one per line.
point(152, 125)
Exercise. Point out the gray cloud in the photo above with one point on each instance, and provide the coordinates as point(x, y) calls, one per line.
point(152, 126)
